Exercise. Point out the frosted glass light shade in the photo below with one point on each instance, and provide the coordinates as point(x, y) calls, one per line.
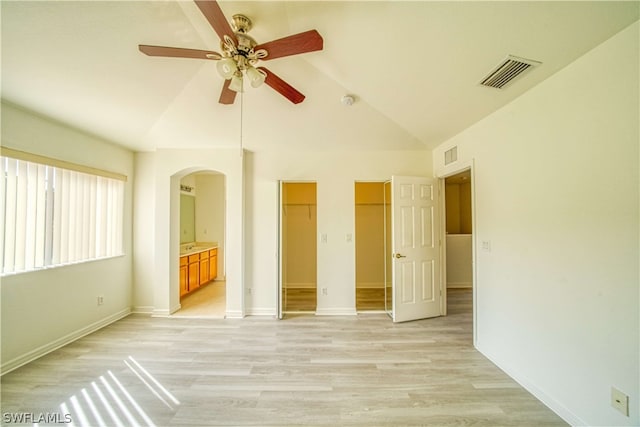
point(256, 77)
point(236, 83)
point(227, 67)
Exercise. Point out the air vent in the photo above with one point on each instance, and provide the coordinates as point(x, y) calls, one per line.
point(451, 155)
point(510, 68)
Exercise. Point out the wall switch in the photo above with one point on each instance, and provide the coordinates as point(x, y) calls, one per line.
point(620, 401)
point(100, 300)
point(324, 291)
point(486, 245)
point(349, 237)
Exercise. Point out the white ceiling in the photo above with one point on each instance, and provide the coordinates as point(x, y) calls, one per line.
point(413, 67)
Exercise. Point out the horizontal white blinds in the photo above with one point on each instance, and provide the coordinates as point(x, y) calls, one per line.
point(54, 216)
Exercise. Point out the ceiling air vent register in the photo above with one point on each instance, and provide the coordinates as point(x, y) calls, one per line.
point(510, 68)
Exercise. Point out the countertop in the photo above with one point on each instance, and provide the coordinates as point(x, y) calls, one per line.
point(196, 248)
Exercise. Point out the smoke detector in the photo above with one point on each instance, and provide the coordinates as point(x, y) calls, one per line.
point(348, 100)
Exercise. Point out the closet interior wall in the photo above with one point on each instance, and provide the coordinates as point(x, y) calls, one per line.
point(369, 227)
point(299, 244)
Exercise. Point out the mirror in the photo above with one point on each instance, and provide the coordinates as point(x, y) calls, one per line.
point(187, 218)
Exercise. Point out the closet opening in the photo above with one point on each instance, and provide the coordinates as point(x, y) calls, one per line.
point(459, 242)
point(299, 247)
point(370, 246)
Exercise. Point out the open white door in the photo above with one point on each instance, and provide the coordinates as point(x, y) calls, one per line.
point(279, 302)
point(415, 244)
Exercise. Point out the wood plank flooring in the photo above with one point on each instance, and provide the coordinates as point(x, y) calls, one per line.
point(207, 301)
point(304, 370)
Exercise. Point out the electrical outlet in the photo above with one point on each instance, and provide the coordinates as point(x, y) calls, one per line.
point(324, 291)
point(620, 401)
point(100, 299)
point(248, 291)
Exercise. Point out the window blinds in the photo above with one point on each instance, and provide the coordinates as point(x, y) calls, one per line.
point(55, 216)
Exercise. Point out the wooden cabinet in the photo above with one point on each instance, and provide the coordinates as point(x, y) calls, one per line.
point(197, 269)
point(184, 274)
point(204, 267)
point(213, 264)
point(194, 272)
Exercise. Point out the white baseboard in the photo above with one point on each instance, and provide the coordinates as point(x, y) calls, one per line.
point(459, 285)
point(301, 285)
point(61, 342)
point(142, 309)
point(258, 311)
point(160, 312)
point(234, 314)
point(369, 285)
point(336, 311)
point(557, 407)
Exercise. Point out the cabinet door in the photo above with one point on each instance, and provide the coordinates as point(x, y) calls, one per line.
point(194, 275)
point(213, 264)
point(184, 280)
point(204, 271)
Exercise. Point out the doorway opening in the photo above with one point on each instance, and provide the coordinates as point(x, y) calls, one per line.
point(299, 247)
point(459, 243)
point(202, 245)
point(370, 246)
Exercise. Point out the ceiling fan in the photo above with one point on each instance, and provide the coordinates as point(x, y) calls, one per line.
point(241, 53)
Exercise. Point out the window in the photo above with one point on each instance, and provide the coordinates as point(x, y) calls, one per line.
point(55, 213)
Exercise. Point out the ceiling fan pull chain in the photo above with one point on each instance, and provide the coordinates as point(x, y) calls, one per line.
point(241, 116)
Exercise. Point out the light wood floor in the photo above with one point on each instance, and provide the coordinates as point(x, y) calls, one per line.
point(305, 300)
point(208, 301)
point(304, 370)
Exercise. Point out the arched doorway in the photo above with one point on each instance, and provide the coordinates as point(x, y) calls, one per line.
point(202, 290)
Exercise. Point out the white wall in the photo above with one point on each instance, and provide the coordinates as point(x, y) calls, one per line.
point(157, 269)
point(210, 207)
point(557, 197)
point(45, 309)
point(335, 173)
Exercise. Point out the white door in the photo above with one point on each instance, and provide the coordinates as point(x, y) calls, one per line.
point(415, 248)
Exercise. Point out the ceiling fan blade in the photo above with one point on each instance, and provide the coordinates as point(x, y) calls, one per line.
point(282, 87)
point(211, 10)
point(309, 41)
point(227, 96)
point(178, 52)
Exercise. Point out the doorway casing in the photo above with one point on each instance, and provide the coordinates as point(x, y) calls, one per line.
point(170, 166)
point(462, 167)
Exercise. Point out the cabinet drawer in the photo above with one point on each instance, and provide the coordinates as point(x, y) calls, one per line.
point(204, 255)
point(213, 252)
point(194, 258)
point(184, 260)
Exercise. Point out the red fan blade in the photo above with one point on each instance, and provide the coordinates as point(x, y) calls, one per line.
point(178, 52)
point(309, 41)
point(282, 87)
point(211, 10)
point(227, 96)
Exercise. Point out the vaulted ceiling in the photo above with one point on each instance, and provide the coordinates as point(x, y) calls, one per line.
point(413, 67)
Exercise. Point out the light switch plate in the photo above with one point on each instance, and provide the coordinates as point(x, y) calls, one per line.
point(620, 401)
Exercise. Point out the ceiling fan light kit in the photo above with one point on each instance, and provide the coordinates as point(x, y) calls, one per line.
point(241, 53)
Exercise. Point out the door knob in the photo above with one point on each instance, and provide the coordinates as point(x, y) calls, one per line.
point(400, 256)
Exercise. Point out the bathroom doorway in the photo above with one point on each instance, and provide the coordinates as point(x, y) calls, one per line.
point(202, 245)
point(298, 234)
